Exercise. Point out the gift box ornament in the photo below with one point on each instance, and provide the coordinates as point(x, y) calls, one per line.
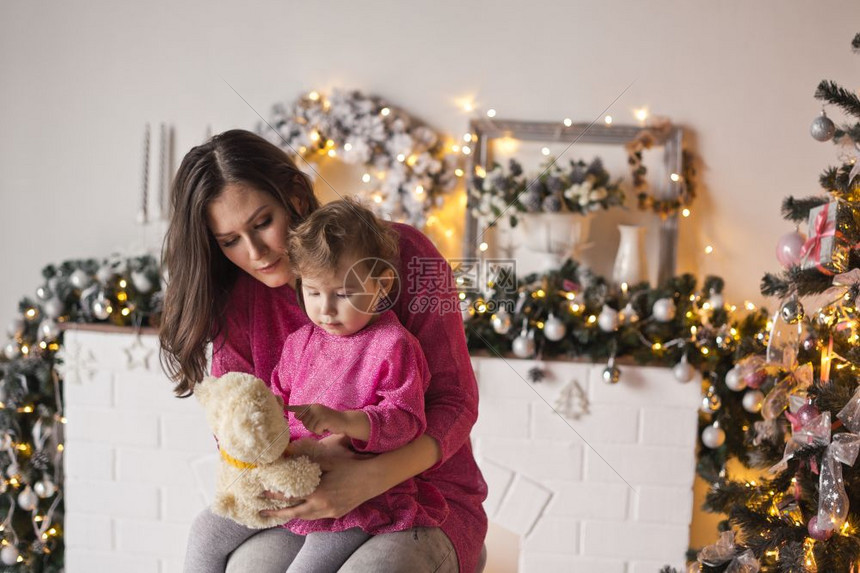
point(829, 244)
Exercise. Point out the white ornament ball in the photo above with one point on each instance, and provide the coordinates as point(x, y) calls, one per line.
point(27, 500)
point(713, 436)
point(822, 128)
point(684, 371)
point(734, 380)
point(101, 307)
point(45, 488)
point(12, 351)
point(524, 346)
point(141, 282)
point(105, 274)
point(752, 401)
point(664, 310)
point(49, 330)
point(501, 322)
point(607, 320)
point(80, 279)
point(16, 327)
point(554, 329)
point(43, 293)
point(9, 555)
point(54, 308)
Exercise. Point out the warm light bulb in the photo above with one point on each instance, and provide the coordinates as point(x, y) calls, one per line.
point(314, 96)
point(455, 148)
point(483, 247)
point(675, 177)
point(607, 120)
point(331, 153)
point(449, 233)
point(347, 146)
point(468, 107)
point(419, 190)
point(685, 212)
point(709, 249)
point(641, 114)
point(123, 283)
point(466, 150)
point(366, 177)
point(568, 122)
point(401, 158)
point(491, 113)
point(315, 136)
point(458, 172)
point(467, 137)
point(545, 150)
point(384, 111)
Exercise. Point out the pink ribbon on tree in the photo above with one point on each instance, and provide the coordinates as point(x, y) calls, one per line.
point(822, 228)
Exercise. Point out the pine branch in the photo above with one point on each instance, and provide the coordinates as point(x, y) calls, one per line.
point(833, 93)
point(855, 43)
point(797, 210)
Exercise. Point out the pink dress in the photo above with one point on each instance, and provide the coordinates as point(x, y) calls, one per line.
point(381, 371)
point(259, 319)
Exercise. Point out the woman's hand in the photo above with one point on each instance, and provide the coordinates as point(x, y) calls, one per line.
point(348, 480)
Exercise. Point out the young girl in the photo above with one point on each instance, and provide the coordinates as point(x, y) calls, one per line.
point(354, 370)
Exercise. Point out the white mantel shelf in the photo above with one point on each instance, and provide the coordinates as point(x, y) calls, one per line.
point(140, 463)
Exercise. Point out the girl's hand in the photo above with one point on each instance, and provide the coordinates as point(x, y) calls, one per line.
point(346, 483)
point(319, 419)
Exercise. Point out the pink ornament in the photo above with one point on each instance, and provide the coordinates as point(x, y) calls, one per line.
point(816, 533)
point(806, 414)
point(788, 248)
point(755, 378)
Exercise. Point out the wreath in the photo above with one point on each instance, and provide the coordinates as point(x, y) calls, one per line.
point(646, 139)
point(407, 168)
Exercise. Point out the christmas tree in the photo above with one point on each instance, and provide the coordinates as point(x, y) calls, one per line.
point(804, 515)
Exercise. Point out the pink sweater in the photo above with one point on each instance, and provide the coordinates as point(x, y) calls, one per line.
point(260, 318)
point(381, 371)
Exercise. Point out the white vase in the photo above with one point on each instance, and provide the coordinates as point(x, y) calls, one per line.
point(630, 265)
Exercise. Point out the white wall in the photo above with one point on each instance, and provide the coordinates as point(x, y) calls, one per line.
point(80, 79)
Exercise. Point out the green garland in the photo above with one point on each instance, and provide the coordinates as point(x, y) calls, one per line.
point(118, 290)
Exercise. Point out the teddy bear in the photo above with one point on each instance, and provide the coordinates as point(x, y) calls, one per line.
point(252, 433)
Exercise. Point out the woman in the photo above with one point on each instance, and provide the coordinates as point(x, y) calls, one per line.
point(234, 200)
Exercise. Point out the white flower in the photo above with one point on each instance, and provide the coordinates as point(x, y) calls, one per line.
point(598, 194)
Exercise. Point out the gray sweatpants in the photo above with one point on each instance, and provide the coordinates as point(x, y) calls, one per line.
point(416, 550)
point(213, 538)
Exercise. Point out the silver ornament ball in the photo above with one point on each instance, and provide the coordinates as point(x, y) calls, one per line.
point(822, 128)
point(49, 330)
point(792, 311)
point(54, 308)
point(713, 436)
point(554, 329)
point(734, 380)
point(141, 282)
point(607, 320)
point(501, 322)
point(684, 371)
point(80, 279)
point(12, 351)
point(664, 309)
point(524, 345)
point(611, 374)
point(44, 293)
point(9, 555)
point(752, 401)
point(27, 500)
point(45, 488)
point(101, 307)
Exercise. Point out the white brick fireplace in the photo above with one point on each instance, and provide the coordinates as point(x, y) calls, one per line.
point(141, 463)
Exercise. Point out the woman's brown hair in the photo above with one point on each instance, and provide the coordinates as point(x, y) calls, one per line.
point(199, 276)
